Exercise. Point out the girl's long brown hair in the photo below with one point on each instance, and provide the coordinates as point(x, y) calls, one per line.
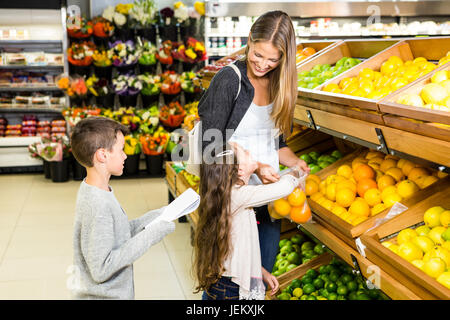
point(212, 233)
point(276, 27)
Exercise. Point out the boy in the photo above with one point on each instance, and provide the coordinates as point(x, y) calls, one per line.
point(106, 243)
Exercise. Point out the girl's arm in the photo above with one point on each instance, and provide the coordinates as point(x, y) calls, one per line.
point(289, 159)
point(271, 281)
point(258, 195)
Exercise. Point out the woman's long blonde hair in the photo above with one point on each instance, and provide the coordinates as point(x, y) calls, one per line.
point(276, 27)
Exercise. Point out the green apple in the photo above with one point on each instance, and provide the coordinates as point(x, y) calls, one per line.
point(308, 245)
point(315, 169)
point(305, 157)
point(283, 242)
point(294, 258)
point(282, 256)
point(319, 249)
point(314, 155)
point(291, 266)
point(297, 248)
point(282, 266)
point(298, 238)
point(337, 154)
point(287, 248)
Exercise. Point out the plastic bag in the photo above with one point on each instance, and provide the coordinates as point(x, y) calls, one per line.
point(295, 206)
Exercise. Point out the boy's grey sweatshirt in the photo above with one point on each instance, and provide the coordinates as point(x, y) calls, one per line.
point(106, 244)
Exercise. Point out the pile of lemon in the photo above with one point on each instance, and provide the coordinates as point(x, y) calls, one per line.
point(393, 74)
point(428, 246)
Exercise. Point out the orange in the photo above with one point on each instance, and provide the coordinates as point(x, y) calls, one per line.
point(300, 214)
point(338, 210)
point(314, 178)
point(364, 185)
point(345, 171)
point(390, 199)
point(345, 197)
point(331, 192)
point(308, 51)
point(407, 167)
point(346, 184)
point(407, 188)
point(311, 187)
point(395, 173)
point(417, 172)
point(357, 161)
point(363, 171)
point(400, 163)
point(387, 164)
point(360, 207)
point(385, 181)
point(373, 197)
point(282, 207)
point(323, 187)
point(296, 198)
point(316, 196)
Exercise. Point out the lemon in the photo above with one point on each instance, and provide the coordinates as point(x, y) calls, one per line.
point(377, 209)
point(330, 192)
point(409, 251)
point(444, 254)
point(387, 244)
point(419, 264)
point(388, 190)
point(345, 171)
point(432, 216)
point(407, 235)
point(390, 199)
point(434, 267)
point(424, 243)
point(445, 218)
point(298, 292)
point(435, 235)
point(439, 76)
point(444, 279)
point(422, 230)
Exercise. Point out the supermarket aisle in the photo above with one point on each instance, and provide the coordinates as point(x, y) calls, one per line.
point(36, 218)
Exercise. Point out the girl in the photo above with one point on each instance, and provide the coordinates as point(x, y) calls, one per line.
point(227, 259)
point(266, 96)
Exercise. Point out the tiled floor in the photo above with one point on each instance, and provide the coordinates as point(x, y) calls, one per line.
point(36, 219)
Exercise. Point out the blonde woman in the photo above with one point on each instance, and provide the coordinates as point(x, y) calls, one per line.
point(253, 105)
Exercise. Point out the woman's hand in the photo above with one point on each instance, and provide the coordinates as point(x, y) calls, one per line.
point(266, 173)
point(270, 280)
point(303, 166)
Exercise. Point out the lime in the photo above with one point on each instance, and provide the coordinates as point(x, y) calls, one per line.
point(289, 289)
point(304, 297)
point(305, 260)
point(352, 295)
point(311, 298)
point(319, 249)
point(324, 293)
point(291, 266)
point(314, 155)
point(306, 279)
point(362, 296)
point(352, 286)
point(374, 294)
point(298, 292)
point(334, 276)
point(331, 287)
point(308, 245)
point(332, 296)
point(296, 283)
point(342, 290)
point(308, 288)
point(312, 273)
point(305, 157)
point(322, 269)
point(325, 277)
point(339, 283)
point(346, 278)
point(318, 283)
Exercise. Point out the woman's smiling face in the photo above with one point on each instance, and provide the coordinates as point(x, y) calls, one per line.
point(263, 57)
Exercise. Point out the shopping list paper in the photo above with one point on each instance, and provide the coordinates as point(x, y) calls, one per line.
point(184, 204)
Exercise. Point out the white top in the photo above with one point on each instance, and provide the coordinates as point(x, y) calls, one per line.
point(257, 133)
point(243, 264)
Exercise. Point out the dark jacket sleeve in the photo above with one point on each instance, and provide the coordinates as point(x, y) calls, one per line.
point(216, 104)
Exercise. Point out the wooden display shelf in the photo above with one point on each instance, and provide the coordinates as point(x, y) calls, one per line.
point(431, 149)
point(171, 176)
point(181, 186)
point(318, 45)
point(389, 104)
point(429, 129)
point(394, 288)
point(417, 280)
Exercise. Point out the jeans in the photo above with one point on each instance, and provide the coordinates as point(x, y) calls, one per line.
point(269, 237)
point(223, 289)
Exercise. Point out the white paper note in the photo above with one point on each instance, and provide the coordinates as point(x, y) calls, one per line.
point(184, 204)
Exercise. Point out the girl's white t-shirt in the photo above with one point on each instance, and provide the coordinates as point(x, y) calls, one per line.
point(257, 133)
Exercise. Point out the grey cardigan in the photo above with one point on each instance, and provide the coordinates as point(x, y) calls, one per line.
point(218, 109)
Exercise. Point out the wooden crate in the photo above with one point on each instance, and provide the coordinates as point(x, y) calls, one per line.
point(369, 50)
point(417, 280)
point(389, 104)
point(351, 112)
point(299, 272)
point(346, 231)
point(429, 129)
point(307, 139)
point(318, 45)
point(171, 176)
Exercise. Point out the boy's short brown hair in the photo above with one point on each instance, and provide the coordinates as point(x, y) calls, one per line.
point(91, 134)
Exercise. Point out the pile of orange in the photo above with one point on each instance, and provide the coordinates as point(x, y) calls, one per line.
point(393, 74)
point(369, 184)
point(303, 54)
point(292, 207)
